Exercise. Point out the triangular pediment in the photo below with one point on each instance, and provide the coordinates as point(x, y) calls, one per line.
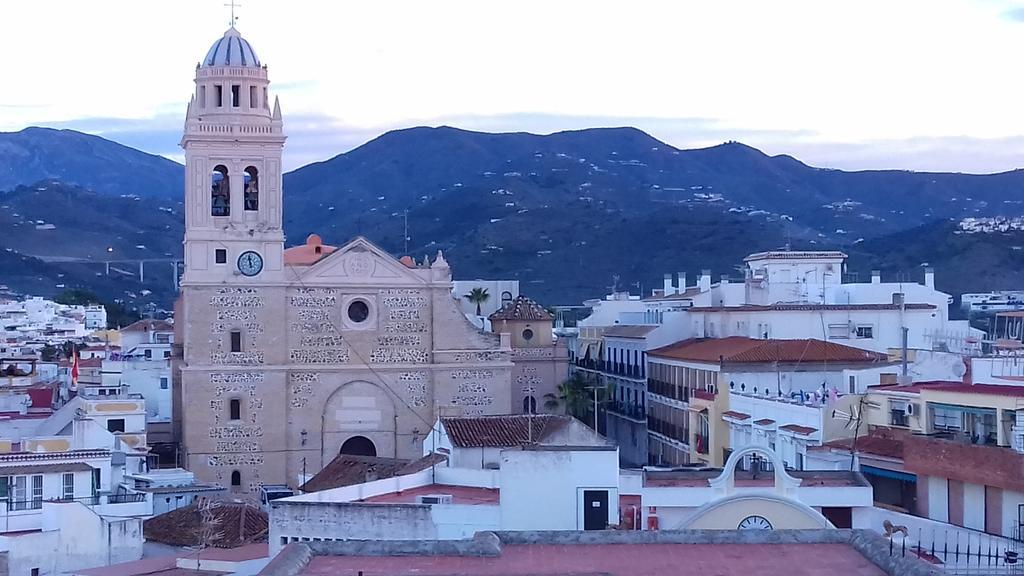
point(360, 262)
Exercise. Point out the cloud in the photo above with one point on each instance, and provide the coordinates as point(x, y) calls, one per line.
point(1017, 14)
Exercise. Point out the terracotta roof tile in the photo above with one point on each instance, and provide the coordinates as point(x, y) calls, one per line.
point(797, 429)
point(309, 253)
point(810, 307)
point(235, 524)
point(764, 422)
point(940, 386)
point(735, 415)
point(348, 469)
point(522, 308)
point(875, 445)
point(501, 431)
point(742, 349)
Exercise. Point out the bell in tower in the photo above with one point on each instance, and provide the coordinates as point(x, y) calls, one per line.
point(233, 141)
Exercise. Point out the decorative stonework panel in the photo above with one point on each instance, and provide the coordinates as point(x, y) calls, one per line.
point(237, 298)
point(235, 460)
point(314, 335)
point(243, 431)
point(402, 342)
point(252, 358)
point(236, 378)
point(415, 387)
point(481, 356)
point(528, 380)
point(472, 390)
point(533, 353)
point(302, 387)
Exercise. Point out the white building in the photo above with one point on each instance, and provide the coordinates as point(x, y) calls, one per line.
point(788, 295)
point(536, 488)
point(499, 293)
point(143, 367)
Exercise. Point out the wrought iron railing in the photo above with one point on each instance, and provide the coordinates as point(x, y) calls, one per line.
point(627, 409)
point(961, 552)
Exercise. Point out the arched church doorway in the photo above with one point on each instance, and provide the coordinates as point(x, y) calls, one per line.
point(359, 446)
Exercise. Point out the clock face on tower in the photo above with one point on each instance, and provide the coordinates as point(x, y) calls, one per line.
point(755, 523)
point(250, 263)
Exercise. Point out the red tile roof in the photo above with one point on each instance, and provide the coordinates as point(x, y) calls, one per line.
point(614, 560)
point(797, 429)
point(743, 349)
point(795, 255)
point(764, 422)
point(309, 253)
point(522, 308)
point(236, 524)
point(874, 445)
point(735, 415)
point(348, 469)
point(947, 386)
point(810, 307)
point(501, 431)
point(469, 495)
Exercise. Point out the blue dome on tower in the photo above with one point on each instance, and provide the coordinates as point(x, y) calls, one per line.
point(231, 50)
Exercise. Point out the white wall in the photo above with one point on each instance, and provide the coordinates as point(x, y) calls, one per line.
point(938, 499)
point(543, 489)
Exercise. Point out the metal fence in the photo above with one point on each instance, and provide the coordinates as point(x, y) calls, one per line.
point(962, 553)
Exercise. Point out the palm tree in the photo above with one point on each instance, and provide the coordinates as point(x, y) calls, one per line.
point(571, 395)
point(477, 296)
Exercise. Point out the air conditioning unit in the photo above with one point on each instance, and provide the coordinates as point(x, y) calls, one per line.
point(434, 499)
point(913, 409)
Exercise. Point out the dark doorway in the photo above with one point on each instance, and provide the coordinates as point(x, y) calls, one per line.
point(359, 446)
point(839, 517)
point(595, 509)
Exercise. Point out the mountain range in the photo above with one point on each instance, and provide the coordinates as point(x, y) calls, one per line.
point(568, 214)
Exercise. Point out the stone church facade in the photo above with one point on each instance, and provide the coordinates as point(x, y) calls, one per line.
point(291, 356)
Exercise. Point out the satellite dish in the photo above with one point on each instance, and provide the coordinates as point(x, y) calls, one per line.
point(960, 369)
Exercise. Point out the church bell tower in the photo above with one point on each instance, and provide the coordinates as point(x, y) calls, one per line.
point(233, 141)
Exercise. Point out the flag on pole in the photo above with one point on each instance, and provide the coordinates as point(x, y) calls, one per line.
point(74, 369)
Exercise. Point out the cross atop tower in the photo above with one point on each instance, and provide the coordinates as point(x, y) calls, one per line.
point(234, 18)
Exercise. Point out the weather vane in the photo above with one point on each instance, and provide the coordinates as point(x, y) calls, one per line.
point(234, 18)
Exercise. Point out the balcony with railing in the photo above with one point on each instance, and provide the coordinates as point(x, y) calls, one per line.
point(21, 514)
point(672, 431)
point(668, 390)
point(627, 410)
point(620, 369)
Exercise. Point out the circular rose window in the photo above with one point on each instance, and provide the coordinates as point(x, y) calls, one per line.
point(527, 334)
point(358, 311)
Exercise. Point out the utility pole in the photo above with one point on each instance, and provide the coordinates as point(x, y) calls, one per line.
point(405, 236)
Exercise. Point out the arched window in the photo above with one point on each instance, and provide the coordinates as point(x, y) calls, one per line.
point(236, 478)
point(529, 405)
point(506, 296)
point(252, 189)
point(359, 446)
point(220, 192)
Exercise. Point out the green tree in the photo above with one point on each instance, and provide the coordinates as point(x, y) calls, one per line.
point(477, 296)
point(49, 353)
point(77, 297)
point(571, 396)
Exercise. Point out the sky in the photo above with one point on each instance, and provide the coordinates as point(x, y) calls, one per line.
point(859, 84)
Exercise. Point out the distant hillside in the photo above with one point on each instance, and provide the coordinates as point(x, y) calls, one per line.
point(564, 213)
point(92, 162)
point(962, 262)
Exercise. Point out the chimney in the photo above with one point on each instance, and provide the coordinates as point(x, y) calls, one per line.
point(876, 276)
point(682, 282)
point(929, 277)
point(704, 282)
point(668, 285)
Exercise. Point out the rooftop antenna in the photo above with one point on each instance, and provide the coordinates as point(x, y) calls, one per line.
point(853, 421)
point(234, 18)
point(615, 283)
point(406, 235)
